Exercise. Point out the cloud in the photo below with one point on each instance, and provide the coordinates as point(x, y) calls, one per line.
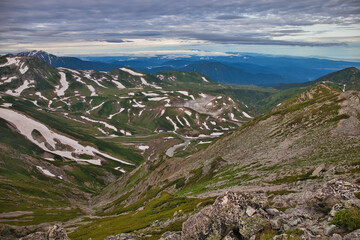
point(263, 22)
point(228, 17)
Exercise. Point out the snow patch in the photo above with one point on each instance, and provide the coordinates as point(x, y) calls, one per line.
point(112, 115)
point(11, 61)
point(131, 72)
point(118, 84)
point(143, 147)
point(45, 171)
point(188, 113)
point(204, 79)
point(162, 112)
point(173, 123)
point(19, 90)
point(137, 104)
point(7, 80)
point(94, 108)
point(23, 69)
point(186, 93)
point(157, 98)
point(26, 126)
point(60, 91)
point(177, 118)
point(186, 121)
point(150, 94)
point(246, 115)
point(6, 105)
point(120, 169)
point(97, 121)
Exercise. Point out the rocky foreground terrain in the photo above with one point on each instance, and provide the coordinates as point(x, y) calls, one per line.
point(321, 212)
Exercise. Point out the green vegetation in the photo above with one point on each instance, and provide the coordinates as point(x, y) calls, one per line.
point(293, 178)
point(348, 218)
point(161, 208)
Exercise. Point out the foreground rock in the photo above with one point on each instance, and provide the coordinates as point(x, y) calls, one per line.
point(54, 233)
point(240, 215)
point(308, 215)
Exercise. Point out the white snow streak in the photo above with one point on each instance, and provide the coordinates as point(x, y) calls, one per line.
point(19, 90)
point(173, 123)
point(118, 84)
point(131, 72)
point(97, 121)
point(27, 125)
point(60, 91)
point(112, 115)
point(7, 80)
point(11, 61)
point(246, 115)
point(45, 171)
point(204, 79)
point(157, 98)
point(23, 69)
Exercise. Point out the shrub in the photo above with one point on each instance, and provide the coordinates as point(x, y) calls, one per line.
point(348, 219)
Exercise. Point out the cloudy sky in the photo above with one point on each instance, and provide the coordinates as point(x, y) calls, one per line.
point(329, 28)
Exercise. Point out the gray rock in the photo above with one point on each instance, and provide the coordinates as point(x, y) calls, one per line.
point(286, 227)
point(273, 211)
point(336, 236)
point(318, 170)
point(314, 230)
point(276, 223)
point(171, 236)
point(329, 230)
point(54, 233)
point(353, 235)
point(295, 222)
point(335, 208)
point(333, 192)
point(250, 211)
point(226, 215)
point(124, 236)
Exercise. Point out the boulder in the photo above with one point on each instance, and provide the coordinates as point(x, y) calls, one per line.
point(171, 236)
point(333, 192)
point(240, 215)
point(329, 230)
point(54, 233)
point(353, 235)
point(318, 170)
point(124, 236)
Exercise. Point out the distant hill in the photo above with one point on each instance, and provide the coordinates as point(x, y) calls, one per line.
point(69, 62)
point(227, 74)
point(345, 79)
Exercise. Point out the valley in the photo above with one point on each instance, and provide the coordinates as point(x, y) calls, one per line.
point(127, 152)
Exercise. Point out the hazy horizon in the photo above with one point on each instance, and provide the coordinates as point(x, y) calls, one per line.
point(325, 29)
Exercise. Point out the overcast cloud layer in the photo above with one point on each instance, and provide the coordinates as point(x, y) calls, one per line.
point(146, 25)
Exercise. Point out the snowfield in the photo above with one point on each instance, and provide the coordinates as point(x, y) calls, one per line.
point(131, 72)
point(49, 140)
point(60, 90)
point(16, 93)
point(11, 61)
point(45, 171)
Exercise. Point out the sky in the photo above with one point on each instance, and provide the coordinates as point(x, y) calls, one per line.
point(324, 28)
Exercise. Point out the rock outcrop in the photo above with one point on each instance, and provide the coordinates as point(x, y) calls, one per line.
point(247, 215)
point(54, 233)
point(240, 215)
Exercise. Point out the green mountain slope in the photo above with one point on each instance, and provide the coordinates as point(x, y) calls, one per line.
point(273, 152)
point(66, 134)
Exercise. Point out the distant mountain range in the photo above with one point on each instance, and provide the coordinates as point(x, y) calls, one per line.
point(248, 69)
point(68, 62)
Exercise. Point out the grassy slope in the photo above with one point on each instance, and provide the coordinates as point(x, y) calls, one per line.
point(301, 128)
